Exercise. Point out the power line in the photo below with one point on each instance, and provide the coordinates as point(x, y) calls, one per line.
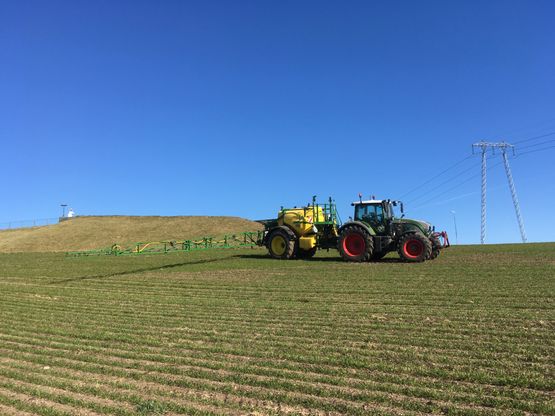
point(489, 167)
point(463, 182)
point(534, 151)
point(535, 138)
point(538, 144)
point(443, 183)
point(447, 181)
point(468, 157)
point(453, 188)
point(529, 127)
point(434, 177)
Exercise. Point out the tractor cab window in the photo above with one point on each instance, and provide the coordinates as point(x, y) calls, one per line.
point(395, 211)
point(372, 214)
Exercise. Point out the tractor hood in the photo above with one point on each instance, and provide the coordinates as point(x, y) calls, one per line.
point(407, 223)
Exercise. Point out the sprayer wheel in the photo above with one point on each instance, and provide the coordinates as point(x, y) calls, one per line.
point(281, 243)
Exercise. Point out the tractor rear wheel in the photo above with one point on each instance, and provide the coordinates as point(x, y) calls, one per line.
point(355, 244)
point(306, 254)
point(281, 243)
point(415, 247)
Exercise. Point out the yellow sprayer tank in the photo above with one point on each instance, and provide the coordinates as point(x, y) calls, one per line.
point(301, 221)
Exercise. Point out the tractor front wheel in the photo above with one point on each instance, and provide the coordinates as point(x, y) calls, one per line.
point(355, 244)
point(415, 247)
point(281, 244)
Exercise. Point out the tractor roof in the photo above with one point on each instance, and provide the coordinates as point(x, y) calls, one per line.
point(370, 201)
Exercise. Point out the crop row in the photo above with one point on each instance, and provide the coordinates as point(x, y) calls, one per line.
point(403, 340)
point(240, 375)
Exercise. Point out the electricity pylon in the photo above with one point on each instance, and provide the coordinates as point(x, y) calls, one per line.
point(483, 146)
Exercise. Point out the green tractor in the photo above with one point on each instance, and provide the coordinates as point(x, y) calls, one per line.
point(375, 231)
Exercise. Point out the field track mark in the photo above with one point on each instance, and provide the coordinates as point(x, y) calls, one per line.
point(43, 403)
point(172, 300)
point(223, 291)
point(494, 359)
point(255, 369)
point(394, 348)
point(291, 397)
point(121, 408)
point(429, 385)
point(383, 396)
point(450, 336)
point(113, 383)
point(10, 411)
point(192, 316)
point(454, 367)
point(85, 400)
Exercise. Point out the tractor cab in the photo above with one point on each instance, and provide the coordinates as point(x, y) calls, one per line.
point(377, 213)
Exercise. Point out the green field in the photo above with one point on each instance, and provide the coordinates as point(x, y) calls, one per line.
point(234, 332)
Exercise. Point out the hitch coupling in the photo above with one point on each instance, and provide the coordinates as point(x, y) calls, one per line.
point(443, 239)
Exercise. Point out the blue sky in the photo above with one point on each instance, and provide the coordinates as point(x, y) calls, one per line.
point(237, 108)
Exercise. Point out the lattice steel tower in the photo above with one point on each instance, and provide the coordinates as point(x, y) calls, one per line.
point(484, 146)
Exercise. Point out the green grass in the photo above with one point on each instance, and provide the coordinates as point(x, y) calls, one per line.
point(234, 332)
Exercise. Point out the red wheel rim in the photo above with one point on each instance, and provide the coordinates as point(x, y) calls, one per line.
point(413, 248)
point(354, 245)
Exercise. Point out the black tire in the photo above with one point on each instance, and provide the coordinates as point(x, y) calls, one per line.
point(378, 255)
point(283, 246)
point(355, 244)
point(436, 244)
point(306, 254)
point(414, 247)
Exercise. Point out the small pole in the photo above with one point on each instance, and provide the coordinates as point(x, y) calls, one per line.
point(63, 209)
point(456, 232)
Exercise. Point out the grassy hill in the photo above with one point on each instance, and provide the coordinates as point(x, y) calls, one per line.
point(85, 233)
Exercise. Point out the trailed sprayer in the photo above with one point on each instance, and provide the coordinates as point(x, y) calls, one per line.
point(374, 230)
